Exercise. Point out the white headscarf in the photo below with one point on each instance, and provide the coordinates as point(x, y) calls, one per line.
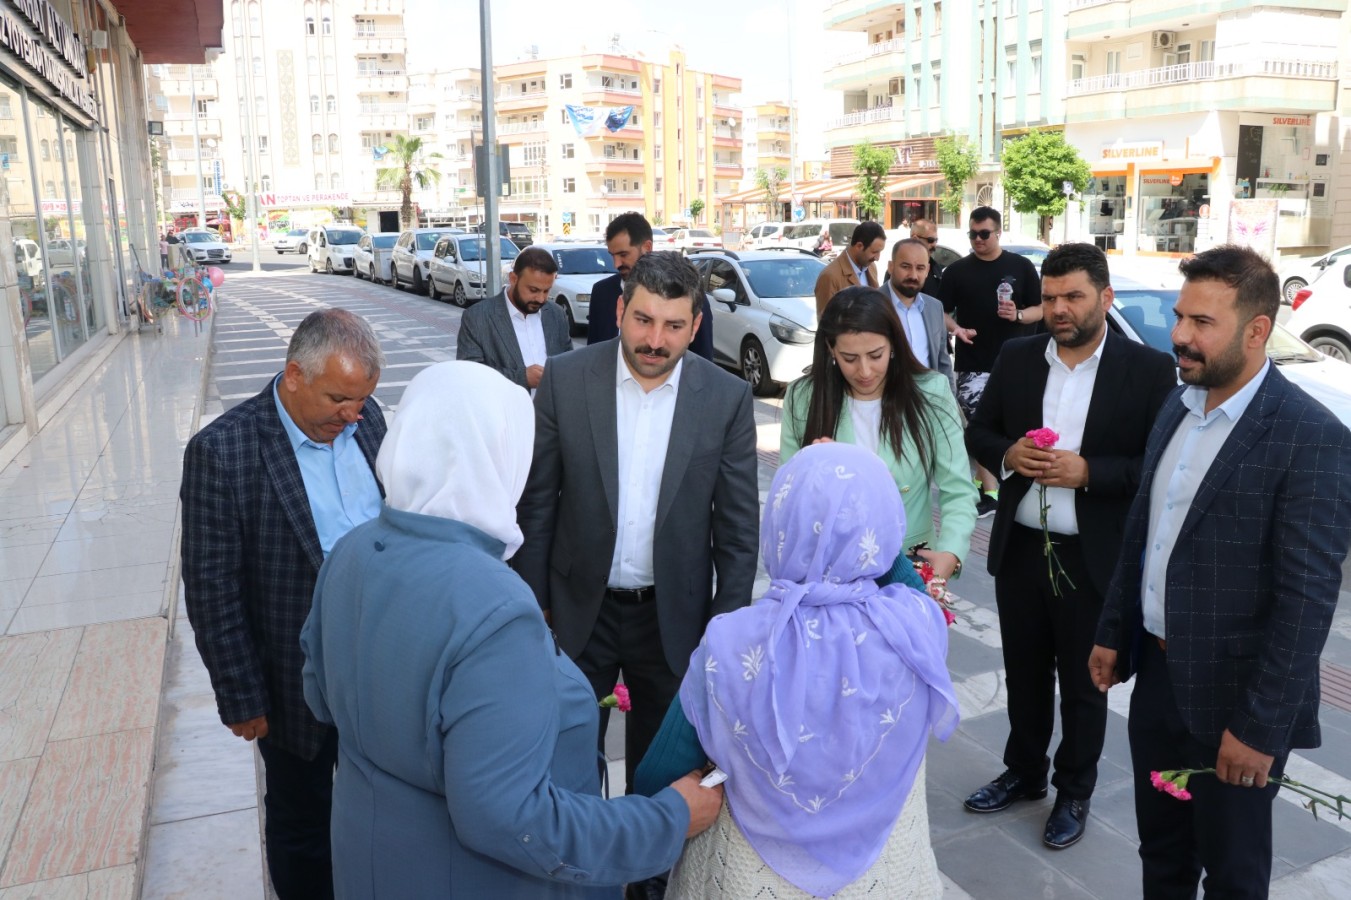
point(460, 448)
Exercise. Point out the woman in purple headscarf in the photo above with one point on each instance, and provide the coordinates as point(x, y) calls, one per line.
point(817, 702)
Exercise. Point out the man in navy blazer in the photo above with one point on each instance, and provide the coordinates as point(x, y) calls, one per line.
point(1226, 586)
point(629, 238)
point(268, 488)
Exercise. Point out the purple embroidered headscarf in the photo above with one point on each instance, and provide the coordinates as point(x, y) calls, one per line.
point(819, 699)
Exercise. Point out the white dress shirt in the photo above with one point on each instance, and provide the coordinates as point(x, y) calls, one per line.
point(529, 335)
point(1064, 409)
point(912, 320)
point(1183, 466)
point(643, 420)
point(862, 276)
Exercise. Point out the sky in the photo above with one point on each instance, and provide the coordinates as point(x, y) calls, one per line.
point(748, 39)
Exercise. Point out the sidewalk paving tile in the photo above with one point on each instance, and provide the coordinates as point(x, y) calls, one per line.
point(85, 808)
point(16, 775)
point(211, 856)
point(34, 669)
point(116, 883)
point(94, 554)
point(115, 682)
point(49, 616)
point(109, 581)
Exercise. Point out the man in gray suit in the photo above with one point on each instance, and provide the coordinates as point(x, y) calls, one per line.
point(517, 330)
point(643, 486)
point(921, 315)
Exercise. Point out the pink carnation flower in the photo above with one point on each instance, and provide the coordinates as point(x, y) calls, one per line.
point(1044, 438)
point(622, 698)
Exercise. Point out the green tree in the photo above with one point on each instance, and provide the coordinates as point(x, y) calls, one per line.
point(1036, 167)
point(959, 163)
point(658, 218)
point(872, 165)
point(406, 172)
point(696, 207)
point(769, 181)
point(236, 204)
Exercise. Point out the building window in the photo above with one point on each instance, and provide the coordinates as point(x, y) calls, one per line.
point(656, 120)
point(1113, 62)
point(266, 182)
point(569, 151)
point(257, 65)
point(332, 103)
point(335, 182)
point(656, 185)
point(569, 185)
point(656, 152)
point(1078, 66)
point(314, 103)
point(317, 142)
point(610, 185)
point(6, 111)
point(699, 123)
point(313, 62)
point(45, 149)
point(328, 25)
point(698, 92)
point(332, 143)
point(563, 114)
point(700, 188)
point(49, 189)
point(9, 145)
point(309, 25)
point(1036, 72)
point(262, 144)
point(565, 80)
point(318, 181)
point(365, 27)
point(656, 85)
point(70, 150)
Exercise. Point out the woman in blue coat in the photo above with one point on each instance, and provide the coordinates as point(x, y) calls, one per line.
point(467, 741)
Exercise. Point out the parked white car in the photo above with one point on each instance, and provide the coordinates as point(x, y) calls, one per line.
point(764, 312)
point(411, 258)
point(28, 259)
point(372, 256)
point(1145, 314)
point(457, 268)
point(580, 266)
point(331, 248)
point(1298, 275)
point(806, 233)
point(766, 234)
point(205, 246)
point(687, 239)
point(292, 241)
point(1321, 312)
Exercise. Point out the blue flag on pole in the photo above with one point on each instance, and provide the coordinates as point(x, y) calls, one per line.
point(618, 117)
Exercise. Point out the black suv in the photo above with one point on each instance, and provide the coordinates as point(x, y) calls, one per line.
point(516, 232)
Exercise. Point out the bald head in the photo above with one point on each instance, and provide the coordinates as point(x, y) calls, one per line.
point(926, 231)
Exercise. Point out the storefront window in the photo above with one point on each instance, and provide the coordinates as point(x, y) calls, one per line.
point(27, 245)
point(1170, 205)
point(1104, 207)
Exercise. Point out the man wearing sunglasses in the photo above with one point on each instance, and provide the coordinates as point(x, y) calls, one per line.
point(926, 231)
point(986, 314)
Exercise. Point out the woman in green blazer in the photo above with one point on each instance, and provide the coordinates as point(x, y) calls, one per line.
point(867, 388)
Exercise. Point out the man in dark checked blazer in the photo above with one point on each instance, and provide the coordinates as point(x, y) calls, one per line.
point(268, 488)
point(1226, 586)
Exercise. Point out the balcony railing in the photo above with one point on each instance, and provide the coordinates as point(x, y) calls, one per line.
point(895, 45)
point(1086, 4)
point(381, 31)
point(183, 127)
point(518, 127)
point(868, 117)
point(1210, 70)
point(504, 96)
point(178, 154)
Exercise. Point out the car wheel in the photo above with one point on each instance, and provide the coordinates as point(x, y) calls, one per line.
point(328, 267)
point(302, 248)
point(1335, 348)
point(431, 287)
point(371, 273)
point(1293, 287)
point(394, 278)
point(567, 311)
point(755, 368)
point(417, 280)
point(313, 270)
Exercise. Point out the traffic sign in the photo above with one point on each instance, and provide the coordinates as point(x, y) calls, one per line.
point(567, 218)
point(1068, 188)
point(799, 214)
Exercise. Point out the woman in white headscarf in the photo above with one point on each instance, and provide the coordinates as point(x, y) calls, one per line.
point(467, 741)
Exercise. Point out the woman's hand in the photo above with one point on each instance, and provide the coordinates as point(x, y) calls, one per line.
point(823, 440)
point(703, 802)
point(943, 562)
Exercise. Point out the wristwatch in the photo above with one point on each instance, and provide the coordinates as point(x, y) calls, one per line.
point(1019, 315)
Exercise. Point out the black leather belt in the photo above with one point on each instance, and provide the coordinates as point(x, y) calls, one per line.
point(633, 595)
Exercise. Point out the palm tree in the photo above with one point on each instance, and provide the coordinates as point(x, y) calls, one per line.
point(406, 172)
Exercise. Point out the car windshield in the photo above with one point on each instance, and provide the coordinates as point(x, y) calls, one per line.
point(659, 233)
point(1150, 315)
point(789, 277)
point(296, 232)
point(427, 239)
point(584, 261)
point(1036, 254)
point(802, 231)
point(472, 249)
point(841, 232)
point(698, 232)
point(343, 235)
point(384, 241)
point(198, 237)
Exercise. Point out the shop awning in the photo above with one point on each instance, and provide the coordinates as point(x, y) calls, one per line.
point(915, 182)
point(174, 32)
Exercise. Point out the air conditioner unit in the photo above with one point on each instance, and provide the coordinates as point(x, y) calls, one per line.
point(1165, 40)
point(386, 55)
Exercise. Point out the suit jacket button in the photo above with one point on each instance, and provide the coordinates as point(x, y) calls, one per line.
point(379, 546)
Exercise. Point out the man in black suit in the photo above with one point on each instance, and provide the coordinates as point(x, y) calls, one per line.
point(268, 488)
point(1100, 393)
point(1227, 584)
point(628, 237)
point(925, 230)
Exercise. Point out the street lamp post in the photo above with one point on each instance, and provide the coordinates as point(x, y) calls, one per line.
point(197, 149)
point(492, 249)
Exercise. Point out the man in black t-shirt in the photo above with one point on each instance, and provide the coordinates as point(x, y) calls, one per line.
point(926, 231)
point(970, 291)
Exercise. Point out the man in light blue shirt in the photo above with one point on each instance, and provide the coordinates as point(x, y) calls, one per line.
point(1226, 587)
point(921, 315)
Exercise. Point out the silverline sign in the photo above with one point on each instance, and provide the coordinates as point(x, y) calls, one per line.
point(63, 69)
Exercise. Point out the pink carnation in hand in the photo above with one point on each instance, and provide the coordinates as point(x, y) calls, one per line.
point(622, 696)
point(1044, 438)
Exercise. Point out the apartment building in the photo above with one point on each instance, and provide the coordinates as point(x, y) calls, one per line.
point(984, 70)
point(769, 140)
point(1189, 114)
point(445, 112)
point(302, 104)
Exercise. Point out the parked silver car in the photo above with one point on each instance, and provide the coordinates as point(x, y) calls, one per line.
point(411, 257)
point(580, 266)
point(372, 256)
point(457, 267)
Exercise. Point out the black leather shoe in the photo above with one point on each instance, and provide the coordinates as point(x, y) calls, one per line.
point(1003, 791)
point(1066, 825)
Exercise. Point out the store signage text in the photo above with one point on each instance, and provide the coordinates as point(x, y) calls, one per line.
point(1292, 120)
point(66, 73)
point(1142, 150)
point(328, 198)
